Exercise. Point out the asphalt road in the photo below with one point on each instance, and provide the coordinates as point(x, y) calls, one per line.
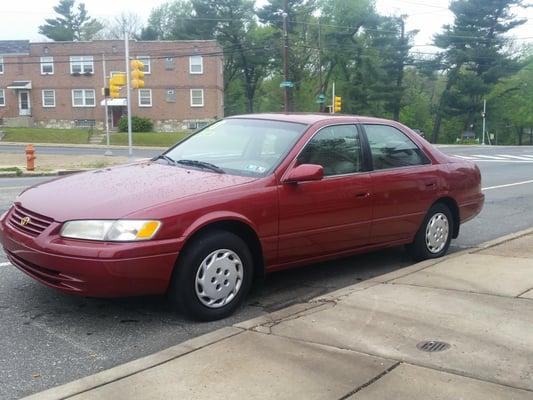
point(48, 338)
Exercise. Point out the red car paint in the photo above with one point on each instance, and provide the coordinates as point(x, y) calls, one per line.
point(295, 224)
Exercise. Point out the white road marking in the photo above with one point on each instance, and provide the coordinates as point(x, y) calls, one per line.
point(522, 158)
point(465, 157)
point(507, 185)
point(5, 264)
point(489, 157)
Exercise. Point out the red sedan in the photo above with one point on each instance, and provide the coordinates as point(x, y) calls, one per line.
point(244, 196)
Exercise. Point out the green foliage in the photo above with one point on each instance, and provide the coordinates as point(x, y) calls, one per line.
point(138, 124)
point(71, 24)
point(46, 135)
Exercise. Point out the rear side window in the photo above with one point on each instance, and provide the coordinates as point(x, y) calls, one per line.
point(336, 148)
point(390, 148)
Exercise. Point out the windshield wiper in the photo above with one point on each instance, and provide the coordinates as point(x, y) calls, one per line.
point(166, 158)
point(201, 164)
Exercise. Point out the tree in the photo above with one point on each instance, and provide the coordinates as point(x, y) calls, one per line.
point(474, 55)
point(125, 22)
point(72, 24)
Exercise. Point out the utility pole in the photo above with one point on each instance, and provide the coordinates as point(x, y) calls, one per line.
point(333, 98)
point(128, 89)
point(320, 78)
point(108, 151)
point(287, 107)
point(484, 114)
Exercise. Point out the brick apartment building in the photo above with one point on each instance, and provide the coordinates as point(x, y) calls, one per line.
point(59, 84)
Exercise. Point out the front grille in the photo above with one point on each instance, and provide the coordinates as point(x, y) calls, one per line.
point(48, 276)
point(28, 222)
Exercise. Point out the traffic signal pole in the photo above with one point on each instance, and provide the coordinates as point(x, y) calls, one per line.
point(285, 57)
point(484, 114)
point(108, 151)
point(128, 90)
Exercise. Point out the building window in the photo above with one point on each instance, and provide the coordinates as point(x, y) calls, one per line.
point(196, 64)
point(171, 96)
point(197, 97)
point(83, 98)
point(47, 65)
point(145, 97)
point(146, 61)
point(49, 98)
point(2, 97)
point(81, 65)
point(1, 65)
point(169, 63)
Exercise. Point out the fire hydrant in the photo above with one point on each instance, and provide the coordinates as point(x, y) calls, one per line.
point(30, 157)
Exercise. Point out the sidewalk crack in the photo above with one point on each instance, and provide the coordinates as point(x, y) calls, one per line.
point(370, 382)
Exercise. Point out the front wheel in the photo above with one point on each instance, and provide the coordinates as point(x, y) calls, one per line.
point(212, 276)
point(435, 234)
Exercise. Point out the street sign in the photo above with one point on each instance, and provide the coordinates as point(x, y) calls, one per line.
point(287, 84)
point(321, 99)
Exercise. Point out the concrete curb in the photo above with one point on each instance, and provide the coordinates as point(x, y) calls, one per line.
point(89, 146)
point(260, 324)
point(40, 174)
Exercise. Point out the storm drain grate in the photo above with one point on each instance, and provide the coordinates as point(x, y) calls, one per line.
point(432, 346)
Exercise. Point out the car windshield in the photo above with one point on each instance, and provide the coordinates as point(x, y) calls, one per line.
point(238, 146)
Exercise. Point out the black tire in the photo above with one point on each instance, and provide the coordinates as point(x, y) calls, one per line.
point(419, 249)
point(182, 291)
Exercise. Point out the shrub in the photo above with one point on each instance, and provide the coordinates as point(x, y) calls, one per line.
point(138, 124)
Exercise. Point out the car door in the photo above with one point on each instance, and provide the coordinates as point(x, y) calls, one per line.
point(331, 215)
point(404, 183)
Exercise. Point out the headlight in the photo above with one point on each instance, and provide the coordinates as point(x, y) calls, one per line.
point(113, 231)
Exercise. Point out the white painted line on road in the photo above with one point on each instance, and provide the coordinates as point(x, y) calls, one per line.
point(5, 264)
point(489, 157)
point(515, 157)
point(507, 185)
point(465, 157)
point(11, 187)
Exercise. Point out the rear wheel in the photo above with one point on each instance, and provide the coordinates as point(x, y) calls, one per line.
point(435, 234)
point(212, 276)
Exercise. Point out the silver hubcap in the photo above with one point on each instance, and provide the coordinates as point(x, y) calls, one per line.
point(219, 278)
point(437, 232)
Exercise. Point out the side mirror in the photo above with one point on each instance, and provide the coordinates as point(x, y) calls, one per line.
point(305, 173)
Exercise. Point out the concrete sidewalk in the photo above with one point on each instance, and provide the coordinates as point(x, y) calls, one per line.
point(361, 342)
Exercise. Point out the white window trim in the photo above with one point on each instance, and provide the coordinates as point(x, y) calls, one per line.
point(83, 60)
point(84, 97)
point(3, 97)
point(45, 63)
point(201, 65)
point(42, 97)
point(203, 100)
point(149, 63)
point(139, 98)
point(3, 65)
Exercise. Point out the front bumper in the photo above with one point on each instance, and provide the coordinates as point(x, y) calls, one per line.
point(94, 269)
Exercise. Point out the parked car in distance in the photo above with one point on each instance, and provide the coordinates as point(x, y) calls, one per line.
point(245, 196)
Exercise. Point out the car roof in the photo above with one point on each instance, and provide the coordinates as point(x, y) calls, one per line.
point(309, 118)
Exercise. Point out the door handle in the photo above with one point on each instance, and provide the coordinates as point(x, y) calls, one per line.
point(431, 185)
point(362, 195)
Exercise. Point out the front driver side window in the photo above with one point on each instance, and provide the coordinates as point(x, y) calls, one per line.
point(336, 148)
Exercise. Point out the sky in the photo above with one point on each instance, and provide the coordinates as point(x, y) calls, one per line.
point(21, 19)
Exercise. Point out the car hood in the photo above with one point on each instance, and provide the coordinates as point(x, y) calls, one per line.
point(119, 191)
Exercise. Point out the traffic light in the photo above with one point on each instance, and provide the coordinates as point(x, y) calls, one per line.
point(337, 106)
point(115, 83)
point(137, 74)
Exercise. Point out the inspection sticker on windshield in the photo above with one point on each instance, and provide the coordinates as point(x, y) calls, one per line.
point(255, 168)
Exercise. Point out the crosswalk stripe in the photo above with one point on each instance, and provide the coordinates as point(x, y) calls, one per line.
point(489, 157)
point(522, 158)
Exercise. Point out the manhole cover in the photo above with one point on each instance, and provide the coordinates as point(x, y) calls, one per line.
point(432, 346)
